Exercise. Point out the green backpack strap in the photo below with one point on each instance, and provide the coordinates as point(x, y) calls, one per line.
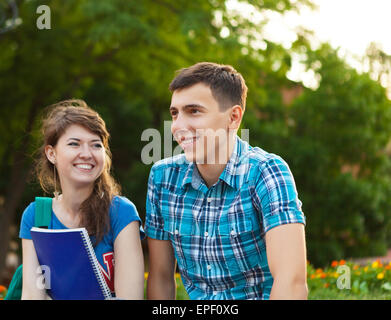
point(43, 216)
point(14, 291)
point(43, 212)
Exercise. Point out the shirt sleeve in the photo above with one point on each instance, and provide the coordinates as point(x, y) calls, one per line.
point(27, 221)
point(154, 222)
point(122, 213)
point(277, 196)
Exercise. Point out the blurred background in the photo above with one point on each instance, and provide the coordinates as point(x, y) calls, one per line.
point(318, 74)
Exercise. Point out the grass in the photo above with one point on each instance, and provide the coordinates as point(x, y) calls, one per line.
point(340, 281)
point(315, 293)
point(346, 294)
point(318, 294)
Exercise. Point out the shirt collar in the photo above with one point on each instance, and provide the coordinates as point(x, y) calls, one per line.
point(234, 171)
point(189, 174)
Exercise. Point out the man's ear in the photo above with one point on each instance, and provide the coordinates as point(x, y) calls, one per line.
point(50, 153)
point(236, 115)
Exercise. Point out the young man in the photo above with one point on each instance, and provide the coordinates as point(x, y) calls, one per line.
point(228, 213)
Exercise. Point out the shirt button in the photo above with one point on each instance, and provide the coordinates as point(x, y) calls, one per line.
point(209, 200)
point(233, 233)
point(214, 293)
point(206, 233)
point(208, 267)
point(176, 231)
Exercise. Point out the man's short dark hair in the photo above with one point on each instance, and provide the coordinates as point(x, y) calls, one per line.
point(227, 85)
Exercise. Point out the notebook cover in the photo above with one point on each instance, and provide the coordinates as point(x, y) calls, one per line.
point(72, 275)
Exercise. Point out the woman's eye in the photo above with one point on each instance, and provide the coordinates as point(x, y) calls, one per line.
point(98, 145)
point(73, 144)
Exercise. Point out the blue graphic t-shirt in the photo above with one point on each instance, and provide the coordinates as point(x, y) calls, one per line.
point(122, 213)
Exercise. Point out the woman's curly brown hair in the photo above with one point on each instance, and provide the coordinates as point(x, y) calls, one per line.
point(95, 209)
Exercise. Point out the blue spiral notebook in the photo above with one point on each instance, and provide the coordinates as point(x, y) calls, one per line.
point(74, 272)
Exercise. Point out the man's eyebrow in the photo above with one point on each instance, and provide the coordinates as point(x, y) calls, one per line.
point(188, 106)
point(77, 139)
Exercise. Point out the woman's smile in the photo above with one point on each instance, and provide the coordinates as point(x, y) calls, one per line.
point(84, 167)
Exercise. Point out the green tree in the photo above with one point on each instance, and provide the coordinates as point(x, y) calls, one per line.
point(337, 149)
point(120, 57)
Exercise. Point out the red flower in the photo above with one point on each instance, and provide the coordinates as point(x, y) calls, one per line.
point(334, 263)
point(342, 262)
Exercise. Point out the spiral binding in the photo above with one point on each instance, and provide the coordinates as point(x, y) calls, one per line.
point(95, 264)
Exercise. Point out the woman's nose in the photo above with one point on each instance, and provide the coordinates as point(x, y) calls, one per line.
point(85, 152)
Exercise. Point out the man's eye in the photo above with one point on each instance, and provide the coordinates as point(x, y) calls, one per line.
point(174, 113)
point(194, 111)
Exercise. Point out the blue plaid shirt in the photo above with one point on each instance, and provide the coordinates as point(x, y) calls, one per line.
point(218, 233)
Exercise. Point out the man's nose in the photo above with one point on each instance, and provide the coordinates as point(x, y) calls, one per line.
point(179, 124)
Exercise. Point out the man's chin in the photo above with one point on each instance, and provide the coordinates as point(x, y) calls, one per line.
point(190, 157)
point(198, 158)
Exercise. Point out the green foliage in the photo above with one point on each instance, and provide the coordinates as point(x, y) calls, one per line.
point(369, 282)
point(344, 280)
point(120, 56)
point(336, 150)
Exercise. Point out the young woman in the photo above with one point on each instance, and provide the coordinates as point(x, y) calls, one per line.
point(75, 164)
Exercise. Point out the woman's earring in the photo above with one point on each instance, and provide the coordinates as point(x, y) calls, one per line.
point(56, 193)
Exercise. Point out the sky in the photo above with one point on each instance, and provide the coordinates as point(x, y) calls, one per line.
point(348, 24)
